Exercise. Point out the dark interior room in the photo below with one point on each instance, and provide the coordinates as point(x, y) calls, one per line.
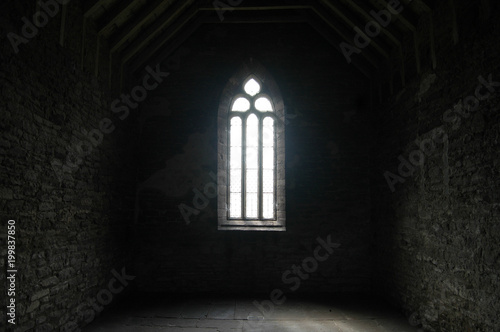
point(250, 165)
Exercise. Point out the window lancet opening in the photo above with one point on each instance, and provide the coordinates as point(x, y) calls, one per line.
point(263, 104)
point(251, 195)
point(252, 87)
point(241, 105)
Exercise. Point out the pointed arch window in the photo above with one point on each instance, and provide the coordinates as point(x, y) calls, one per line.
point(251, 156)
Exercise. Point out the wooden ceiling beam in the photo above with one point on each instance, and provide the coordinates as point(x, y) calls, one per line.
point(165, 52)
point(258, 8)
point(425, 6)
point(363, 12)
point(91, 6)
point(346, 36)
point(418, 7)
point(272, 19)
point(128, 54)
point(335, 42)
point(352, 25)
point(152, 9)
point(114, 13)
point(179, 22)
point(151, 32)
point(400, 17)
point(173, 30)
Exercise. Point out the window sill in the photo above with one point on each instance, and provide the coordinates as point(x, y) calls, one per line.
point(277, 228)
point(252, 225)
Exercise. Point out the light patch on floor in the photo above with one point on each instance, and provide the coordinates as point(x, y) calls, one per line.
point(240, 315)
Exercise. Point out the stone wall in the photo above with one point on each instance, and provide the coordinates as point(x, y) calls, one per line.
point(436, 181)
point(70, 208)
point(327, 167)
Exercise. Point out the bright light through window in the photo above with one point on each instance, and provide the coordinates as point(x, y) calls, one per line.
point(268, 162)
point(241, 105)
point(251, 158)
point(252, 198)
point(252, 87)
point(235, 168)
point(252, 168)
point(263, 104)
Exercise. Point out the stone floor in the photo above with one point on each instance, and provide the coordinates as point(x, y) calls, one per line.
point(239, 314)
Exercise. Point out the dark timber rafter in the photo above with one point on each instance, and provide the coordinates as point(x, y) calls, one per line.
point(170, 32)
point(114, 14)
point(142, 32)
point(367, 17)
point(170, 16)
point(352, 25)
point(133, 26)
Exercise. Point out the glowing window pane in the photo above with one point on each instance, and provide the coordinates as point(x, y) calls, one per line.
point(252, 130)
point(268, 206)
point(235, 205)
point(235, 161)
point(252, 142)
point(268, 161)
point(252, 155)
point(241, 105)
point(236, 181)
point(235, 168)
point(268, 158)
point(268, 132)
point(252, 87)
point(235, 131)
point(268, 181)
point(252, 186)
point(252, 200)
point(235, 139)
point(252, 168)
point(263, 104)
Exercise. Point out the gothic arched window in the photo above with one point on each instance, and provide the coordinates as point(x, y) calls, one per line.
point(251, 154)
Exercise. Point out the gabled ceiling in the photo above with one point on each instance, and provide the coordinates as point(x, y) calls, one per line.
point(141, 32)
